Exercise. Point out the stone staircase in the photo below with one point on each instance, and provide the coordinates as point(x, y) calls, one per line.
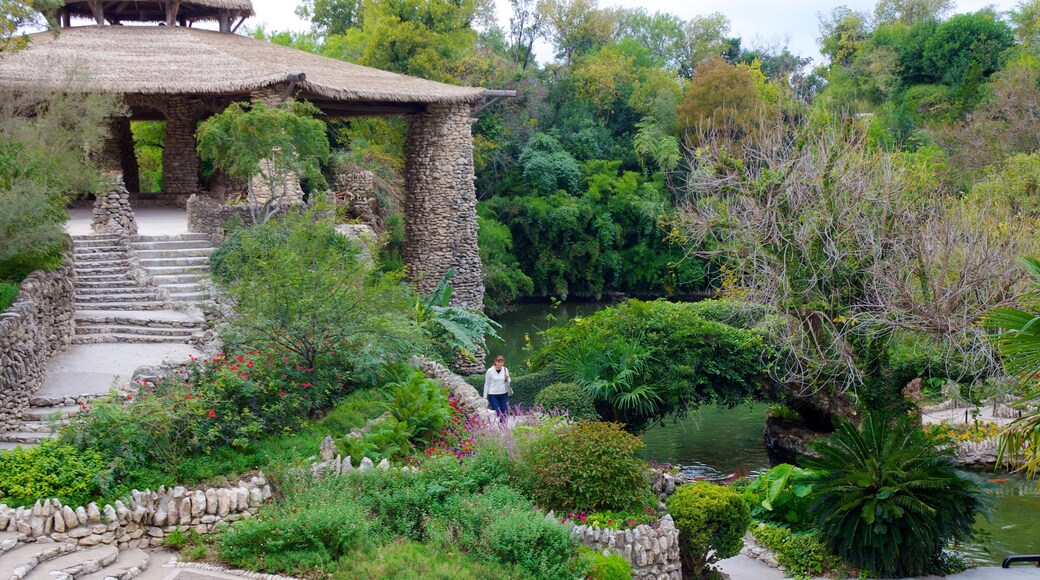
point(176, 263)
point(65, 561)
point(111, 306)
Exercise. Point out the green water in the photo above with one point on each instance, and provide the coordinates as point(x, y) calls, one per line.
point(717, 443)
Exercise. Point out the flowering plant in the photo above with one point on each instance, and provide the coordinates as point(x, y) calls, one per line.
point(975, 432)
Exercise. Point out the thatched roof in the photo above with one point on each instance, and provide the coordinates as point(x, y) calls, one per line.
point(157, 60)
point(155, 10)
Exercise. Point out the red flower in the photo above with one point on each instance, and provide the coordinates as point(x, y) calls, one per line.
point(282, 393)
point(306, 385)
point(240, 359)
point(212, 414)
point(130, 397)
point(249, 364)
point(186, 397)
point(244, 376)
point(234, 367)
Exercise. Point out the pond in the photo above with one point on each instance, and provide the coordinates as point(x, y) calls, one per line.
point(717, 443)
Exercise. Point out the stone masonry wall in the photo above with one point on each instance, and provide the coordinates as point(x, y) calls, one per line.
point(112, 211)
point(653, 551)
point(180, 160)
point(441, 203)
point(39, 324)
point(148, 518)
point(207, 216)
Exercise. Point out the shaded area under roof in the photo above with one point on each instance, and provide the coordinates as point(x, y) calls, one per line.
point(161, 60)
point(155, 10)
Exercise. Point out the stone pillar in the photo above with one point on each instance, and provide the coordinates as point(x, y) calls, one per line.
point(441, 203)
point(180, 158)
point(119, 152)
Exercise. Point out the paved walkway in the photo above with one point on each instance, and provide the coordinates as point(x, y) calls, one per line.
point(158, 221)
point(744, 568)
point(95, 369)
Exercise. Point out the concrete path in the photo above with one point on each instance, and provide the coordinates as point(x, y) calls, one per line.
point(743, 568)
point(150, 221)
point(95, 369)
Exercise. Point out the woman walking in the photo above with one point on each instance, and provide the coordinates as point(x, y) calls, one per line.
point(496, 386)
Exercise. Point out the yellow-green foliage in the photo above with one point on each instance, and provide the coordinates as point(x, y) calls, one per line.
point(50, 470)
point(712, 520)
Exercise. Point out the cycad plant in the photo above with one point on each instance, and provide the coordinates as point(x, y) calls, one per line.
point(890, 497)
point(1019, 346)
point(611, 371)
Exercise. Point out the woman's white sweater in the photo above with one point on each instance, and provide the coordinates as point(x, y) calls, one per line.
point(495, 382)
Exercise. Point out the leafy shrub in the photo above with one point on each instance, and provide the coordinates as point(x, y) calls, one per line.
point(408, 560)
point(540, 546)
point(601, 566)
point(567, 397)
point(587, 465)
point(782, 495)
point(890, 497)
point(453, 330)
point(51, 470)
point(8, 292)
point(307, 532)
point(711, 520)
point(803, 553)
point(299, 286)
point(694, 359)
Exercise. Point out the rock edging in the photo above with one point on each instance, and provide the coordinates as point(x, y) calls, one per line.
point(150, 517)
point(469, 400)
point(653, 551)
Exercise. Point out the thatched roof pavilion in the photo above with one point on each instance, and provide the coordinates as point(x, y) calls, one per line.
point(181, 74)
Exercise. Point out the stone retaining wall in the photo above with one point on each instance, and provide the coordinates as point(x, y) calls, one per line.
point(469, 400)
point(38, 325)
point(149, 518)
point(208, 216)
point(653, 551)
point(112, 211)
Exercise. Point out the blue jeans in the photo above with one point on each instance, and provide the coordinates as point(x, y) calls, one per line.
point(499, 403)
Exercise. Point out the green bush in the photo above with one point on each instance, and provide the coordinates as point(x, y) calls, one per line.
point(711, 520)
point(51, 470)
point(586, 466)
point(8, 292)
point(890, 497)
point(567, 397)
point(305, 533)
point(687, 358)
point(538, 545)
point(605, 567)
point(804, 554)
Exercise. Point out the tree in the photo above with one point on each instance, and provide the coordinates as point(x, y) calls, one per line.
point(968, 48)
point(1026, 21)
point(661, 33)
point(276, 144)
point(704, 37)
point(723, 99)
point(577, 27)
point(329, 17)
point(852, 245)
point(525, 27)
point(841, 33)
point(910, 12)
point(17, 14)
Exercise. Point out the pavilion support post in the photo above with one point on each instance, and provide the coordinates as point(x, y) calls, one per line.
point(180, 158)
point(119, 153)
point(97, 9)
point(441, 207)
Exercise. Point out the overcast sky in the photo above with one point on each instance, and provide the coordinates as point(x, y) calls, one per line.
point(757, 22)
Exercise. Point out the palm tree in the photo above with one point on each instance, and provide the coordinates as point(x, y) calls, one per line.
point(1019, 345)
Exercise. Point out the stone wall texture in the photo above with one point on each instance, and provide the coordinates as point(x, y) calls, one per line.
point(441, 204)
point(180, 160)
point(653, 551)
point(144, 522)
point(208, 216)
point(39, 324)
point(112, 211)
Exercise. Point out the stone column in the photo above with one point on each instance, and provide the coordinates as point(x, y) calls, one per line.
point(180, 158)
point(441, 203)
point(120, 149)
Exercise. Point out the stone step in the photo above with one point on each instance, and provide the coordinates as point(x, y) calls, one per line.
point(147, 296)
point(9, 541)
point(121, 305)
point(167, 280)
point(76, 564)
point(171, 238)
point(109, 283)
point(172, 245)
point(85, 329)
point(178, 270)
point(25, 437)
point(103, 277)
point(48, 413)
point(169, 262)
point(88, 253)
point(37, 427)
point(188, 296)
point(176, 253)
point(95, 241)
point(111, 338)
point(167, 319)
point(115, 262)
point(20, 561)
point(130, 564)
point(102, 271)
point(124, 289)
point(175, 288)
